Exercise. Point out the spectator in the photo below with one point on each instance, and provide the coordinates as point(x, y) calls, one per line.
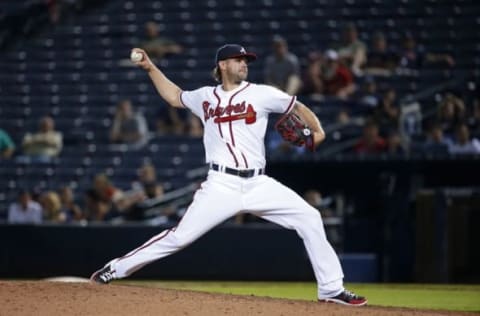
point(352, 50)
point(44, 144)
point(371, 142)
point(107, 201)
point(157, 46)
point(148, 185)
point(194, 127)
point(72, 211)
point(436, 143)
point(414, 56)
point(387, 113)
point(104, 194)
point(7, 147)
point(147, 182)
point(170, 120)
point(324, 205)
point(96, 209)
point(55, 8)
point(129, 127)
point(451, 112)
point(463, 143)
point(380, 59)
point(343, 117)
point(395, 144)
point(312, 83)
point(25, 211)
point(52, 207)
point(282, 69)
point(315, 199)
point(368, 95)
point(337, 79)
point(474, 118)
point(62, 10)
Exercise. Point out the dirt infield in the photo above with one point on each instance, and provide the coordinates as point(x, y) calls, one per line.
point(54, 298)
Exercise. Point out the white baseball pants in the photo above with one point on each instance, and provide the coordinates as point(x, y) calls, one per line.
point(222, 196)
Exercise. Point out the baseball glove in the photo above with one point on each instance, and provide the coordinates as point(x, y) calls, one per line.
point(294, 130)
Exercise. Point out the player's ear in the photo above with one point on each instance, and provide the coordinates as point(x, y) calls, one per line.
point(222, 64)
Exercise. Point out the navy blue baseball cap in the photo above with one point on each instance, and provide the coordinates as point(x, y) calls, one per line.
point(233, 51)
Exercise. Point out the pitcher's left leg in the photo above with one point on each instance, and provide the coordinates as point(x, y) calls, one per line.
point(288, 209)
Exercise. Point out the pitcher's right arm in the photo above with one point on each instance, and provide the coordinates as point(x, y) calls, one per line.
point(168, 90)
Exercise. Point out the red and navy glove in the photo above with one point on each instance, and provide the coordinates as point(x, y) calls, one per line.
point(294, 130)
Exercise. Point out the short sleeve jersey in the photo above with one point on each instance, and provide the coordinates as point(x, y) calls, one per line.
point(235, 121)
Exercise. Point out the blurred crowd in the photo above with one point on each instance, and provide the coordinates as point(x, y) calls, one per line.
point(102, 202)
point(348, 70)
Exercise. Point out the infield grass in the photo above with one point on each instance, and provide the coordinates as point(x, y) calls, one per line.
point(424, 296)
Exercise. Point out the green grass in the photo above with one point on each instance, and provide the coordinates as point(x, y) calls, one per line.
point(445, 297)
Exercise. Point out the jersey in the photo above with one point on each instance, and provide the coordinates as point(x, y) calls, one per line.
point(235, 121)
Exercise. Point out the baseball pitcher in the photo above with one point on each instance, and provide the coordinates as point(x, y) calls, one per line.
point(235, 115)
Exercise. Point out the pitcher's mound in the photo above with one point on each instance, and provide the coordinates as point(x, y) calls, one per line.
point(53, 298)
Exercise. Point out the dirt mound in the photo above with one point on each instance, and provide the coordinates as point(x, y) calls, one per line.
point(54, 298)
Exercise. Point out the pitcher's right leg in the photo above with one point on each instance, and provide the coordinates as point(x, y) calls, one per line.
point(212, 204)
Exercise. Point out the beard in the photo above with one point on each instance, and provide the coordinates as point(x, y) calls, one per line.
point(238, 77)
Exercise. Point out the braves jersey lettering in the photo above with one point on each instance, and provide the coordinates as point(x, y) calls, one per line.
point(244, 113)
point(250, 116)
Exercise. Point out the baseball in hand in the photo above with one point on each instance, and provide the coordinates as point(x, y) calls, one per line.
point(136, 56)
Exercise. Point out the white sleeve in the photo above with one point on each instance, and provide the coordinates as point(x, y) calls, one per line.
point(278, 101)
point(193, 100)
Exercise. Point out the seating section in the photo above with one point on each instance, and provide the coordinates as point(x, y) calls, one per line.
point(78, 71)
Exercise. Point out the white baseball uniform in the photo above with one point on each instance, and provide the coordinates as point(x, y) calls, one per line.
point(235, 123)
